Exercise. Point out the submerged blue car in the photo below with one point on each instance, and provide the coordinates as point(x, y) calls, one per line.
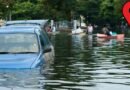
point(24, 48)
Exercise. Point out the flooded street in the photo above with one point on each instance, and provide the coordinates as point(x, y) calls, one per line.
point(81, 63)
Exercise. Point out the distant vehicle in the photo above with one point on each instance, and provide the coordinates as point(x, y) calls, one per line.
point(27, 22)
point(24, 48)
point(43, 24)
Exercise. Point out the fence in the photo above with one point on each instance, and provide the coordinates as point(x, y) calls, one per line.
point(64, 26)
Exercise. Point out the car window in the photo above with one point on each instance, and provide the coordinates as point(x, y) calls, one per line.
point(18, 43)
point(45, 37)
point(42, 40)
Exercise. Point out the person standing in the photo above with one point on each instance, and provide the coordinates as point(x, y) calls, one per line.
point(90, 29)
point(53, 28)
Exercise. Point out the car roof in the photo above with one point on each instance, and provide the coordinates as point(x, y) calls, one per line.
point(34, 22)
point(19, 30)
point(21, 26)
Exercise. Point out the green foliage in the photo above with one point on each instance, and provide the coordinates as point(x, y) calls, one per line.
point(58, 9)
point(111, 11)
point(29, 9)
point(89, 9)
point(94, 11)
point(5, 6)
point(23, 10)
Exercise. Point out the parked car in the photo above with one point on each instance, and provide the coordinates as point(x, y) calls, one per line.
point(24, 47)
point(43, 24)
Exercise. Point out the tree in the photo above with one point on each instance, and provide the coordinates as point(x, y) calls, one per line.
point(5, 7)
point(111, 11)
point(58, 9)
point(89, 9)
point(118, 4)
point(107, 10)
point(27, 9)
point(94, 11)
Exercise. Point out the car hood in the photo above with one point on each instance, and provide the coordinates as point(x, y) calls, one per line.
point(17, 60)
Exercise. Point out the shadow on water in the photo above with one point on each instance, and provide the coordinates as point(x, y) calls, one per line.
point(81, 63)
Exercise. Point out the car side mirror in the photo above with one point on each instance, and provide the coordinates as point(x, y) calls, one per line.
point(47, 50)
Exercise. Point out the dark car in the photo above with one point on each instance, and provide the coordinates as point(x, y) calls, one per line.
point(24, 47)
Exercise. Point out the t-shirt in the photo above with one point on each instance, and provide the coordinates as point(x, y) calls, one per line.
point(90, 29)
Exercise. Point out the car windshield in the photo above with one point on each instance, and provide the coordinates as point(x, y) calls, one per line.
point(18, 43)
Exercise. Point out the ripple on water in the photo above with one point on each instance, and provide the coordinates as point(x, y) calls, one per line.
point(77, 66)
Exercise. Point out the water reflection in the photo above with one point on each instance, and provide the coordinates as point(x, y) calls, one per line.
point(109, 42)
point(80, 64)
point(77, 41)
point(15, 79)
point(90, 40)
point(89, 66)
point(25, 79)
